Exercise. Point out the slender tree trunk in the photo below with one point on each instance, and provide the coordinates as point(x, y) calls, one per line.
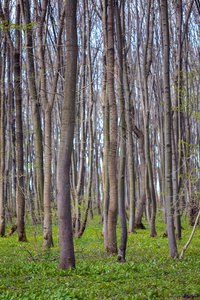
point(141, 133)
point(47, 228)
point(80, 183)
point(191, 236)
point(20, 199)
point(96, 163)
point(106, 186)
point(122, 164)
point(47, 105)
point(88, 196)
point(67, 258)
point(168, 150)
point(113, 205)
point(150, 190)
point(140, 204)
point(2, 172)
point(130, 149)
point(35, 105)
point(178, 151)
point(90, 174)
point(8, 184)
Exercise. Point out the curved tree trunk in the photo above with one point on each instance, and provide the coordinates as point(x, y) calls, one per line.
point(140, 204)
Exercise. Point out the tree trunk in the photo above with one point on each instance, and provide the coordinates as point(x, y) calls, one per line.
point(130, 150)
point(67, 258)
point(88, 196)
point(90, 174)
point(20, 199)
point(113, 205)
point(178, 151)
point(168, 150)
point(140, 204)
point(35, 105)
point(47, 229)
point(122, 163)
point(97, 168)
point(106, 186)
point(80, 180)
point(2, 172)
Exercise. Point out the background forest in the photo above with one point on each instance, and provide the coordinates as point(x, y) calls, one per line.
point(99, 119)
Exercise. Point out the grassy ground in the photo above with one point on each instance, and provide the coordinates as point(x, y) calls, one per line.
point(27, 273)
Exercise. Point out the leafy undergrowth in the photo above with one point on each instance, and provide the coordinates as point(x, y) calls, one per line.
point(27, 273)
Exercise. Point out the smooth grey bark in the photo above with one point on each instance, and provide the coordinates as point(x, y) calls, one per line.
point(131, 169)
point(88, 195)
point(141, 135)
point(9, 192)
point(47, 106)
point(106, 186)
point(178, 118)
point(113, 204)
point(143, 79)
point(20, 196)
point(97, 167)
point(141, 201)
point(122, 163)
point(80, 179)
point(2, 135)
point(67, 258)
point(35, 105)
point(129, 144)
point(168, 149)
point(91, 100)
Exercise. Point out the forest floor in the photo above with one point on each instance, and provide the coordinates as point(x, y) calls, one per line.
point(28, 273)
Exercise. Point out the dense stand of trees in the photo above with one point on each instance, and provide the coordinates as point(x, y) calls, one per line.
point(99, 113)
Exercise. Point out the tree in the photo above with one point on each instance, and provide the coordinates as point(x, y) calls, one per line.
point(35, 104)
point(106, 185)
point(67, 258)
point(20, 197)
point(91, 101)
point(122, 164)
point(48, 106)
point(168, 148)
point(113, 203)
point(2, 174)
point(80, 180)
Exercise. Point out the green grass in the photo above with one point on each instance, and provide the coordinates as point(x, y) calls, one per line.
point(27, 273)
